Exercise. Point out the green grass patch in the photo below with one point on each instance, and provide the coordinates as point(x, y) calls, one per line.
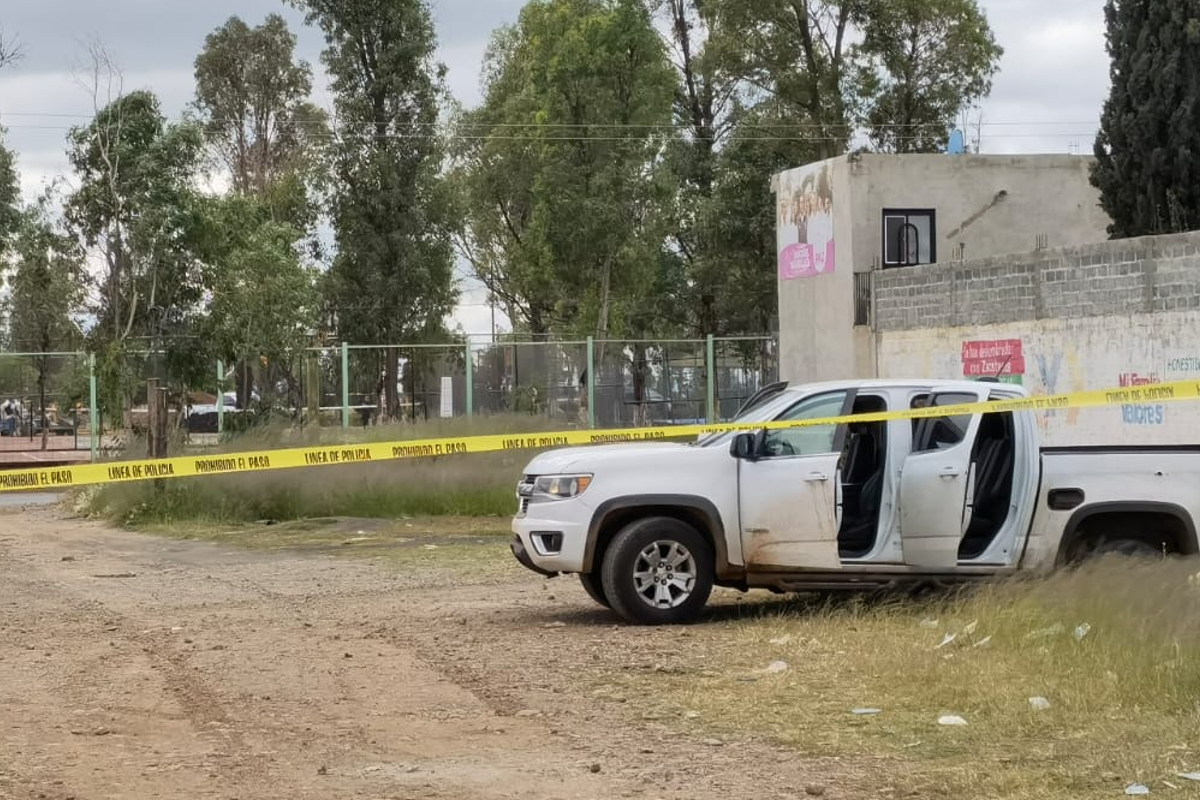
point(278, 435)
point(466, 485)
point(372, 492)
point(1114, 649)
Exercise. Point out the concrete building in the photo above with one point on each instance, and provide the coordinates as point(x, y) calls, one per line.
point(970, 266)
point(848, 223)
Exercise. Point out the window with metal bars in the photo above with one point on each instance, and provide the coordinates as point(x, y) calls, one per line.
point(909, 237)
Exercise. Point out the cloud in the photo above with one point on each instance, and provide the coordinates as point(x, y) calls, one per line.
point(1053, 76)
point(39, 135)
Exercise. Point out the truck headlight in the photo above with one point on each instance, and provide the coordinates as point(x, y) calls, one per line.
point(560, 487)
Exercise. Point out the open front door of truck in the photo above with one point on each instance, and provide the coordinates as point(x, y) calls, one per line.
point(936, 484)
point(789, 492)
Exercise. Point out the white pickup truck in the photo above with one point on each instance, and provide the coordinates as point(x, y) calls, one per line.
point(651, 527)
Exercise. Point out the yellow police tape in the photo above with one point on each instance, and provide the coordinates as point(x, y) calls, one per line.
point(262, 460)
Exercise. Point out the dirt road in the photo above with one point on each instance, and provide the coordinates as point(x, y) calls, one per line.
point(137, 667)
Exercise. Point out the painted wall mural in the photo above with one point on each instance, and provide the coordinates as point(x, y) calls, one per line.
point(1048, 381)
point(1063, 356)
point(1148, 414)
point(1182, 366)
point(804, 222)
point(1003, 359)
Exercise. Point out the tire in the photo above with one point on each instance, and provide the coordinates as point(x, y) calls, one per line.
point(594, 588)
point(648, 593)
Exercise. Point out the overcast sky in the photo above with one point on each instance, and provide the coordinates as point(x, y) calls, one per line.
point(1046, 98)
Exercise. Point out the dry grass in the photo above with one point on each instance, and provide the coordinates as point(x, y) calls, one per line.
point(1124, 698)
point(272, 436)
point(474, 485)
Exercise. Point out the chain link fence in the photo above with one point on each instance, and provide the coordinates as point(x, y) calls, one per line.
point(44, 402)
point(560, 384)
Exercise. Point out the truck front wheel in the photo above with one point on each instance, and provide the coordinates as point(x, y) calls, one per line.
point(594, 587)
point(658, 571)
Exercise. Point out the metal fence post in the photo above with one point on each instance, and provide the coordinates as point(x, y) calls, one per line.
point(710, 362)
point(220, 397)
point(345, 385)
point(591, 381)
point(93, 409)
point(470, 368)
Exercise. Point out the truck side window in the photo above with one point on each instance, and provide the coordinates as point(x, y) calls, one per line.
point(940, 433)
point(811, 440)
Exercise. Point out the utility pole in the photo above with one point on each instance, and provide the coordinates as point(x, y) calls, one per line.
point(492, 303)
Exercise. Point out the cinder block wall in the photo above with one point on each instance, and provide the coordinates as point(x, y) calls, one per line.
point(1076, 318)
point(1132, 276)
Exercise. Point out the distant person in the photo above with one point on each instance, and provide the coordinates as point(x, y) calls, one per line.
point(8, 418)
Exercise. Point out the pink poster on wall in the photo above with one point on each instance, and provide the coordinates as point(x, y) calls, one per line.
point(802, 261)
point(804, 222)
point(993, 358)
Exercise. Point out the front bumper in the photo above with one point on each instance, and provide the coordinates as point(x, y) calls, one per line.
point(522, 555)
point(551, 546)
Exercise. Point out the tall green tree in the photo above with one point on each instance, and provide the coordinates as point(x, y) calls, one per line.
point(135, 174)
point(738, 224)
point(10, 193)
point(1147, 164)
point(253, 100)
point(705, 95)
point(261, 301)
point(729, 138)
point(391, 279)
point(803, 57)
point(46, 291)
point(494, 179)
point(765, 85)
point(565, 183)
point(833, 66)
point(567, 189)
point(252, 96)
point(705, 89)
point(10, 196)
point(135, 205)
point(927, 61)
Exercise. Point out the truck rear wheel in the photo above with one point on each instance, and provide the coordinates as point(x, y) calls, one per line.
point(594, 587)
point(658, 571)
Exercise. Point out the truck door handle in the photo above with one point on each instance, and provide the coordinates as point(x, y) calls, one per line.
point(950, 472)
point(813, 477)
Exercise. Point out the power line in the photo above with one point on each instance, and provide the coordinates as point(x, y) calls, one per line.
point(640, 126)
point(593, 138)
point(381, 305)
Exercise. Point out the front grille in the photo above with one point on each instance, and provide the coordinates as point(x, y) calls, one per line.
point(524, 491)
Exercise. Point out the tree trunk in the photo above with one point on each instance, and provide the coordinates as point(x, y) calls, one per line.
point(114, 282)
point(152, 413)
point(164, 430)
point(42, 400)
point(602, 322)
point(245, 384)
point(640, 411)
point(391, 373)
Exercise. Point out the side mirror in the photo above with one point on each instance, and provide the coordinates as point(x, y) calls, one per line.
point(744, 446)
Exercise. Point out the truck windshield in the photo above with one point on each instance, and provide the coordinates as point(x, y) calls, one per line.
point(762, 410)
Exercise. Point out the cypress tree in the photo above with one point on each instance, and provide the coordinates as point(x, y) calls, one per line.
point(1147, 164)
